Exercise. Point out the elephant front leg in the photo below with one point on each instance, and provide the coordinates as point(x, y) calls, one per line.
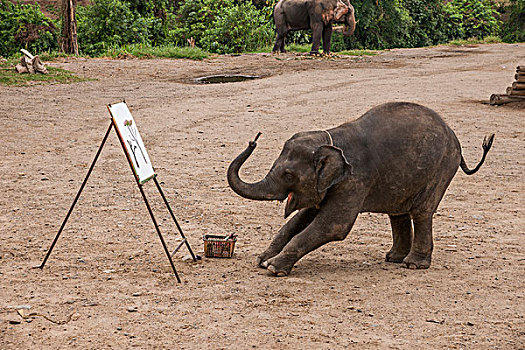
point(295, 225)
point(420, 255)
point(327, 38)
point(317, 32)
point(402, 237)
point(324, 228)
point(279, 43)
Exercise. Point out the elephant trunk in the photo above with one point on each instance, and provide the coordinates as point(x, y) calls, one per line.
point(262, 190)
point(349, 26)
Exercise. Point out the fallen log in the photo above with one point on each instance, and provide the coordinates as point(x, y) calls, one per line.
point(512, 92)
point(519, 78)
point(518, 86)
point(496, 100)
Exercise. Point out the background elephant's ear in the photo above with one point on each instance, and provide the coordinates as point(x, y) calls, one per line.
point(331, 166)
point(340, 10)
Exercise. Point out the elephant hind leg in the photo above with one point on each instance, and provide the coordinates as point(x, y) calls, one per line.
point(420, 255)
point(402, 237)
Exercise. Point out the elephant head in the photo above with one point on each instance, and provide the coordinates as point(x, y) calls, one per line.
point(345, 13)
point(304, 171)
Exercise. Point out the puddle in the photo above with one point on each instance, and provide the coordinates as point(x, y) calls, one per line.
point(224, 78)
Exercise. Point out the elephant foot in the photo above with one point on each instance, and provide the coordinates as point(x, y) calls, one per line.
point(395, 256)
point(280, 265)
point(417, 261)
point(262, 260)
point(276, 272)
point(315, 53)
point(261, 263)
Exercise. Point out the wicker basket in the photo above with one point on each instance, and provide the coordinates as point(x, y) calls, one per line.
point(219, 246)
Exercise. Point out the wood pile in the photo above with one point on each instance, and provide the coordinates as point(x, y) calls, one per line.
point(515, 92)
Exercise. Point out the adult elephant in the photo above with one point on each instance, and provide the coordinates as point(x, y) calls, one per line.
point(317, 15)
point(398, 159)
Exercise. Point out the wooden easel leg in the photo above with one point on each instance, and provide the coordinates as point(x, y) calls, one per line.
point(158, 230)
point(77, 197)
point(174, 219)
point(149, 208)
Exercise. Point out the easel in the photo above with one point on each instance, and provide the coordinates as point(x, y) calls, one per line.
point(120, 119)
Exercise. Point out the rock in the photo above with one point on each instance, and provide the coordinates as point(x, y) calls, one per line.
point(132, 309)
point(435, 321)
point(137, 294)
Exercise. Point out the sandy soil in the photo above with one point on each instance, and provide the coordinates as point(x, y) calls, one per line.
point(108, 284)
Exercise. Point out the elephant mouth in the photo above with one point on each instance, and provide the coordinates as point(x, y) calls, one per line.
point(291, 204)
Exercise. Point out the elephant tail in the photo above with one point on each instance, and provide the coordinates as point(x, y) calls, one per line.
point(487, 143)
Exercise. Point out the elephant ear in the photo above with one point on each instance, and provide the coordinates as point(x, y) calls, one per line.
point(331, 166)
point(340, 10)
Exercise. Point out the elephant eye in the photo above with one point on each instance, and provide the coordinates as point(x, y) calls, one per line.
point(288, 176)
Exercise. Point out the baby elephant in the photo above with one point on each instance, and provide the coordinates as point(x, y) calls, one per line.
point(398, 159)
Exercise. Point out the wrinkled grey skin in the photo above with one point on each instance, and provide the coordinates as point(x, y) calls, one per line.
point(317, 15)
point(398, 159)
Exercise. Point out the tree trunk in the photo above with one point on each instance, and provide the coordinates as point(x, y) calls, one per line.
point(69, 43)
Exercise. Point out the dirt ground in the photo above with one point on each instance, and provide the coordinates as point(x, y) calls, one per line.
point(108, 282)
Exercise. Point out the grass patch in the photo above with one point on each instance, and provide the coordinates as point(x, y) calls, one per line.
point(143, 52)
point(9, 76)
point(358, 53)
point(299, 48)
point(476, 41)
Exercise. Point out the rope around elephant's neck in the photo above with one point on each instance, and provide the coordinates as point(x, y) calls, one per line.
point(330, 137)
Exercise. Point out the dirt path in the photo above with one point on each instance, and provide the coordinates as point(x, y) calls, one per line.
point(108, 281)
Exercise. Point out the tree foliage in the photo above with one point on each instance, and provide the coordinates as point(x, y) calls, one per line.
point(25, 26)
point(514, 28)
point(229, 26)
point(222, 26)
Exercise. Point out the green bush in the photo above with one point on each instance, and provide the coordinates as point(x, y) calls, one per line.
point(222, 26)
point(472, 18)
point(416, 23)
point(25, 26)
point(112, 23)
point(237, 29)
point(514, 26)
point(193, 17)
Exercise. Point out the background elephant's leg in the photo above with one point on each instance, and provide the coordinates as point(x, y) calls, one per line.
point(402, 236)
point(327, 38)
point(317, 32)
point(279, 42)
point(295, 225)
point(421, 252)
point(282, 30)
point(322, 230)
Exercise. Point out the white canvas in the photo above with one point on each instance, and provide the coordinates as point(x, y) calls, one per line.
point(129, 134)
